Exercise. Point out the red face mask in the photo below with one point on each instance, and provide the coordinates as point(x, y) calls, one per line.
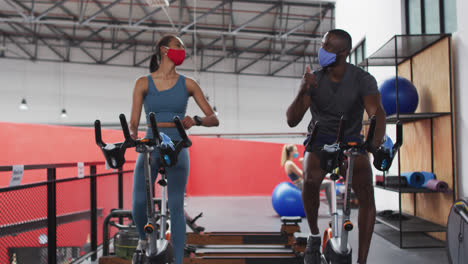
point(177, 56)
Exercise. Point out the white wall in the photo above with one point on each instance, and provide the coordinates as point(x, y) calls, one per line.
point(377, 21)
point(246, 104)
point(460, 54)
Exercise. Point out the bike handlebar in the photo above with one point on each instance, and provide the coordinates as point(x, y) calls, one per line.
point(383, 158)
point(366, 145)
point(115, 153)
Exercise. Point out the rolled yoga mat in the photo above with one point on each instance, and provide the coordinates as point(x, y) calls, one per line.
point(414, 178)
point(418, 179)
point(438, 186)
point(427, 176)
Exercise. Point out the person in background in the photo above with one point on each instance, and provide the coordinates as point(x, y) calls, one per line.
point(295, 174)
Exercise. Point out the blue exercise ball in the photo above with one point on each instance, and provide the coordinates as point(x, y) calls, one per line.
point(287, 200)
point(408, 98)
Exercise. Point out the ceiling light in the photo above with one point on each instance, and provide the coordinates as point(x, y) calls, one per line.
point(23, 105)
point(64, 113)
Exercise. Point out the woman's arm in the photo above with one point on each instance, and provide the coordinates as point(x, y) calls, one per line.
point(210, 118)
point(141, 87)
point(292, 167)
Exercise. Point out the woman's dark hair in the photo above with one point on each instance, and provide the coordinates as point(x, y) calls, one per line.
point(156, 57)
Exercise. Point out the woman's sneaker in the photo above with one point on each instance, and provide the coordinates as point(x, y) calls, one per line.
point(312, 252)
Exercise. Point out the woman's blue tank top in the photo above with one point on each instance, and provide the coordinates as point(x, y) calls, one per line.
point(166, 105)
point(293, 176)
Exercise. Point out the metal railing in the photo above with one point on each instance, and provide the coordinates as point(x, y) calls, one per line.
point(21, 210)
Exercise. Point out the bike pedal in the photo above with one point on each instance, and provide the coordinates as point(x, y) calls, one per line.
point(348, 226)
point(149, 228)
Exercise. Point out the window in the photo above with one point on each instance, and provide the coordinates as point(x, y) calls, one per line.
point(358, 53)
point(430, 16)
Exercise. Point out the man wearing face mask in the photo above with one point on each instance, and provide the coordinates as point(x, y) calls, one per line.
point(337, 89)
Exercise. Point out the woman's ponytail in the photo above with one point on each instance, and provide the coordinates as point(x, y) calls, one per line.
point(154, 64)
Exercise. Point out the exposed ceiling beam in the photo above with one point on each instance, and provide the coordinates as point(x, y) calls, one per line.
point(163, 29)
point(291, 3)
point(93, 16)
point(211, 11)
point(15, 6)
point(29, 54)
point(53, 49)
point(132, 37)
point(150, 14)
point(286, 65)
point(248, 22)
point(96, 60)
point(233, 52)
point(252, 63)
point(76, 18)
point(316, 17)
point(48, 10)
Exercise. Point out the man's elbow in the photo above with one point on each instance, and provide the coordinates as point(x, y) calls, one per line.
point(292, 122)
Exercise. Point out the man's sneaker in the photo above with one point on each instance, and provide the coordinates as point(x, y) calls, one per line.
point(312, 252)
point(142, 245)
point(139, 255)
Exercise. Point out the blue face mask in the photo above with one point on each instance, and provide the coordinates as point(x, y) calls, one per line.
point(326, 58)
point(295, 155)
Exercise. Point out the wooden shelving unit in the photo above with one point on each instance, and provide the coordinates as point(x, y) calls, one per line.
point(428, 138)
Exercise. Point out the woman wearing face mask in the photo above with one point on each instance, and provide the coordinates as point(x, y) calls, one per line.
point(294, 173)
point(288, 154)
point(165, 92)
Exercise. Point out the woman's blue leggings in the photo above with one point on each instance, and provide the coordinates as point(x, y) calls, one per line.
point(176, 181)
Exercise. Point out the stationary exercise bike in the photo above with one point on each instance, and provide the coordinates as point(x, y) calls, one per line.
point(457, 232)
point(335, 246)
point(159, 249)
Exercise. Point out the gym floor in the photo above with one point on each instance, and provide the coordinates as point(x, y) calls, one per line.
point(257, 214)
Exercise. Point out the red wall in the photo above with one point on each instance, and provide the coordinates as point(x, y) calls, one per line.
point(225, 167)
point(218, 166)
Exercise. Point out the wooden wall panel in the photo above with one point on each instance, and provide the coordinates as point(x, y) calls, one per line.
point(443, 168)
point(435, 207)
point(431, 76)
point(404, 69)
point(416, 148)
point(407, 201)
point(415, 155)
point(430, 71)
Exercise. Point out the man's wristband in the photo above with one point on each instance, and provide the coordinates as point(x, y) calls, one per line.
point(198, 120)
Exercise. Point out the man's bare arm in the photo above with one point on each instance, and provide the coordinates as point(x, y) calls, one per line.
point(301, 103)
